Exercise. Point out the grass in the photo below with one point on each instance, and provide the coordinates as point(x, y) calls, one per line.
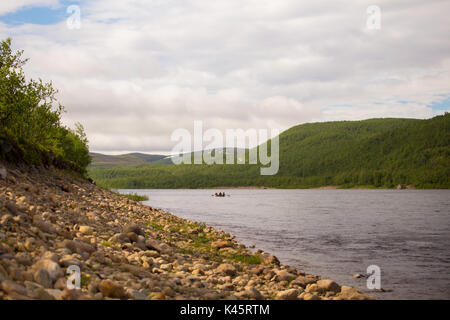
point(133, 196)
point(108, 244)
point(247, 259)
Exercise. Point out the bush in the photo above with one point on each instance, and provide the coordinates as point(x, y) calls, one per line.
point(30, 117)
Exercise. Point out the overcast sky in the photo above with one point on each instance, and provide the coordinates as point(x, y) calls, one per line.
point(137, 70)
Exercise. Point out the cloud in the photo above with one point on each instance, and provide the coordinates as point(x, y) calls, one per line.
point(137, 70)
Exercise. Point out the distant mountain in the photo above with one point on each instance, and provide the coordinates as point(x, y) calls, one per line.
point(370, 153)
point(124, 160)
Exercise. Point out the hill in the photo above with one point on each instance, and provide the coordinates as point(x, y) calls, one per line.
point(370, 153)
point(130, 159)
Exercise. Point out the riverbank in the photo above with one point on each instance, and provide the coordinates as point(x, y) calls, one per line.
point(51, 219)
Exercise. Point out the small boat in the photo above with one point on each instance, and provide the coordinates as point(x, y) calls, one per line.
point(220, 194)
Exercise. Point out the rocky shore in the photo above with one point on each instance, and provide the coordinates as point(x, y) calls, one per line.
point(52, 219)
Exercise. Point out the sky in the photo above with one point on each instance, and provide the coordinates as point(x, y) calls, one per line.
point(136, 70)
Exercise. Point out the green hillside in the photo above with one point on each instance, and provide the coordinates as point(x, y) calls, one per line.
point(369, 153)
point(124, 160)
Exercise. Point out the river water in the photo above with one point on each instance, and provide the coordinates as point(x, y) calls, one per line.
point(335, 233)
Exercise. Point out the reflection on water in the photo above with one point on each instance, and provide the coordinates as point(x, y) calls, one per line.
point(336, 233)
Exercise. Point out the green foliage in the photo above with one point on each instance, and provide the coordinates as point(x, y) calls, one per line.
point(30, 117)
point(381, 153)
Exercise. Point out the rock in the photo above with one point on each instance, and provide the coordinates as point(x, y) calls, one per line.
point(153, 245)
point(41, 294)
point(30, 244)
point(53, 269)
point(283, 275)
point(55, 293)
point(136, 295)
point(24, 259)
point(111, 289)
point(12, 207)
point(5, 219)
point(132, 236)
point(60, 284)
point(71, 294)
point(45, 226)
point(67, 261)
point(77, 246)
point(257, 270)
point(86, 230)
point(269, 258)
point(11, 287)
point(4, 248)
point(253, 293)
point(221, 244)
point(133, 228)
point(3, 274)
point(313, 287)
point(119, 238)
point(303, 281)
point(310, 296)
point(290, 294)
point(350, 293)
point(328, 285)
point(226, 269)
point(42, 277)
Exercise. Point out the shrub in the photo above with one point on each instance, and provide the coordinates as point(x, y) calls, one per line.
point(30, 117)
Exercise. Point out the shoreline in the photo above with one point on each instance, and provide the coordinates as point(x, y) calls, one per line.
point(51, 220)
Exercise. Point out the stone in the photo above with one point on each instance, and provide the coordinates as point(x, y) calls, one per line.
point(86, 230)
point(3, 274)
point(45, 226)
point(77, 246)
point(290, 294)
point(4, 248)
point(12, 207)
point(55, 293)
point(11, 287)
point(132, 236)
point(24, 258)
point(71, 294)
point(328, 285)
point(134, 228)
point(303, 281)
point(283, 275)
point(42, 277)
point(42, 294)
point(220, 244)
point(30, 244)
point(67, 261)
point(269, 258)
point(53, 269)
point(136, 295)
point(310, 296)
point(111, 289)
point(226, 269)
point(253, 293)
point(350, 293)
point(153, 245)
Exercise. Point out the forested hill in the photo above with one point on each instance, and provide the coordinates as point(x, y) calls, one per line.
point(123, 160)
point(369, 153)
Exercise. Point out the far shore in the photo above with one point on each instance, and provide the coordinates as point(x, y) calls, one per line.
point(331, 187)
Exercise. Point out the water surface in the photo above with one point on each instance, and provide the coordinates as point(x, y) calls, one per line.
point(336, 233)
